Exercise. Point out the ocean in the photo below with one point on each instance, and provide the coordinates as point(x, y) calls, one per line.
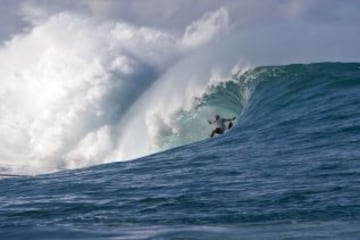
point(288, 169)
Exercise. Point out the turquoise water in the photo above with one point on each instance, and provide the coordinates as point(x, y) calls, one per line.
point(289, 169)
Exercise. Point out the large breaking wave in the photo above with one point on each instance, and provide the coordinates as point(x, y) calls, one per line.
point(76, 92)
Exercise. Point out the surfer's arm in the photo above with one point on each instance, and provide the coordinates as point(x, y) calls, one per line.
point(210, 122)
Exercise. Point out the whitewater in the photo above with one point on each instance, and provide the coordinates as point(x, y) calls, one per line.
point(104, 132)
point(77, 93)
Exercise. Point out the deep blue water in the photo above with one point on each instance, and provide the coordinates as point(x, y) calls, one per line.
point(289, 169)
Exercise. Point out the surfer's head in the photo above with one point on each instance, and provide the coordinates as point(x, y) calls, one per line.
point(217, 117)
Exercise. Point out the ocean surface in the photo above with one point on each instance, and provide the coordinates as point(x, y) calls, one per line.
point(289, 169)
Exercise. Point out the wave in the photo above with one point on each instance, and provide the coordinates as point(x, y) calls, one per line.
point(77, 93)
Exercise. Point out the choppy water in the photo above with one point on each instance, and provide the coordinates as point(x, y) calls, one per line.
point(289, 169)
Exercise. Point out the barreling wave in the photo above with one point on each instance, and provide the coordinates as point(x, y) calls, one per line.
point(69, 103)
point(228, 99)
point(289, 99)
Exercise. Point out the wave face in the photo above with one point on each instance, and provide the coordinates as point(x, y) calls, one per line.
point(289, 169)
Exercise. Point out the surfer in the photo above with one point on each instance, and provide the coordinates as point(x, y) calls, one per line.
point(220, 125)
